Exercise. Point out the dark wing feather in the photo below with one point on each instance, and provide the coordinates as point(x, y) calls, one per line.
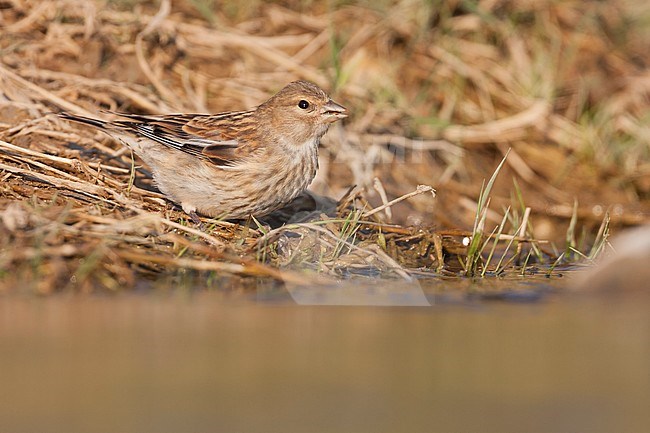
point(222, 139)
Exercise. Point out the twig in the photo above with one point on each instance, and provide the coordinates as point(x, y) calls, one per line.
point(421, 189)
point(379, 187)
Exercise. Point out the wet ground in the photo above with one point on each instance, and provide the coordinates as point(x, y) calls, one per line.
point(548, 361)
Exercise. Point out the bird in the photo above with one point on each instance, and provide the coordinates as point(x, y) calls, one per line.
point(235, 164)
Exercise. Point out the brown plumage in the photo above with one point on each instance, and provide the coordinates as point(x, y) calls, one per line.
point(232, 164)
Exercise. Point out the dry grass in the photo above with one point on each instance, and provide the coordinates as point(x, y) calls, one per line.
point(439, 91)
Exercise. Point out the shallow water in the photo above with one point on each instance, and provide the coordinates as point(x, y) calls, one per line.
point(260, 362)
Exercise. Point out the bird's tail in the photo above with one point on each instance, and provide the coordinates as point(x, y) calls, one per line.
point(81, 119)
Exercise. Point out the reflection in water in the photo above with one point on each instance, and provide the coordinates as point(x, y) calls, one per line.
point(391, 293)
point(181, 363)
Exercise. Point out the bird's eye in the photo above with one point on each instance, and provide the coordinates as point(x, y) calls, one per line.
point(303, 104)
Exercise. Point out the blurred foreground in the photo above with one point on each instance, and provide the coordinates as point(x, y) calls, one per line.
point(199, 363)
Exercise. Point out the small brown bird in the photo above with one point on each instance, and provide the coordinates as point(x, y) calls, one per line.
point(232, 164)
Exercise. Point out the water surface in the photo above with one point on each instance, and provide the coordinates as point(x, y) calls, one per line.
point(204, 362)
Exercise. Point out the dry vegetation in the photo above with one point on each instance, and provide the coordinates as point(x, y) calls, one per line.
point(438, 91)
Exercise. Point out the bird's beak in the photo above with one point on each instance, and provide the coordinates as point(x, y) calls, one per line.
point(334, 111)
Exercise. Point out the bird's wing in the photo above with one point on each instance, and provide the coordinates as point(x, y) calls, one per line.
point(223, 139)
